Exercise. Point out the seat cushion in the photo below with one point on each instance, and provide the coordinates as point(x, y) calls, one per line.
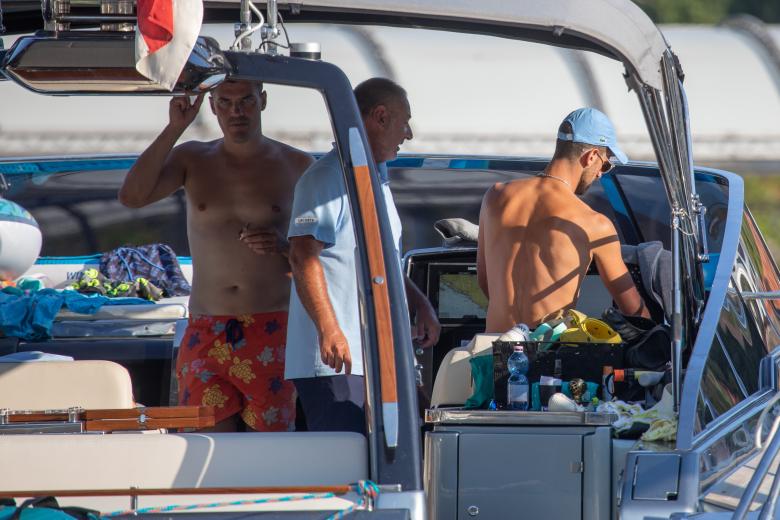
point(121, 461)
point(453, 383)
point(55, 385)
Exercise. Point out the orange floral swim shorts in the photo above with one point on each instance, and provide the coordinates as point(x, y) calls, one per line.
point(236, 365)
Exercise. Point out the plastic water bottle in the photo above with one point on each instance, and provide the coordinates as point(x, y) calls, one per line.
point(519, 332)
point(517, 386)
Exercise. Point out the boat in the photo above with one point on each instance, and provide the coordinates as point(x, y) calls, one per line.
point(722, 313)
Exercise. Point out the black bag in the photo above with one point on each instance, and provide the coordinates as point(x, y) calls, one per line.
point(648, 345)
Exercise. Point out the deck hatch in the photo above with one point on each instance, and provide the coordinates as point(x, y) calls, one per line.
point(656, 476)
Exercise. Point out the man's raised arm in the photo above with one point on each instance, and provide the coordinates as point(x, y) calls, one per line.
point(159, 170)
point(605, 246)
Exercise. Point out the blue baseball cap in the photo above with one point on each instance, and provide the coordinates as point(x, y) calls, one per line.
point(591, 126)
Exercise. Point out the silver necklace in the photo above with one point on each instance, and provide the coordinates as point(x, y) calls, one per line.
point(556, 178)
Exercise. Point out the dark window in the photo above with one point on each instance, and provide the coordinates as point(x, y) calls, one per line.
point(646, 196)
point(79, 214)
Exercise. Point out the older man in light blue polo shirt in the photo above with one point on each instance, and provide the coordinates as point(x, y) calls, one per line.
point(324, 344)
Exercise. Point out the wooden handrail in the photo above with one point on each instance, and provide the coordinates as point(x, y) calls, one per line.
point(124, 419)
point(337, 490)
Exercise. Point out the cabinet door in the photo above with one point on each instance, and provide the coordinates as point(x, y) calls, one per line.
point(517, 476)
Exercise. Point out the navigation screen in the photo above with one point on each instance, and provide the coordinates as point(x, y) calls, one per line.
point(461, 297)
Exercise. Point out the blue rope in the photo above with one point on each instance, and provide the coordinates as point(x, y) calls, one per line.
point(176, 507)
point(365, 488)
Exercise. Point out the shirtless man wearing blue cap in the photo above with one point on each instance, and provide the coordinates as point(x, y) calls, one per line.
point(537, 238)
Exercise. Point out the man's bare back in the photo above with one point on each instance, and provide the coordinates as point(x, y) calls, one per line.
point(228, 197)
point(541, 238)
point(537, 238)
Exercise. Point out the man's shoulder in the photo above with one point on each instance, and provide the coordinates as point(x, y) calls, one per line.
point(327, 165)
point(196, 148)
point(324, 176)
point(597, 224)
point(501, 193)
point(290, 153)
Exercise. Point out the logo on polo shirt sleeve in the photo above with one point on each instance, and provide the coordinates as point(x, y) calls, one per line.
point(307, 218)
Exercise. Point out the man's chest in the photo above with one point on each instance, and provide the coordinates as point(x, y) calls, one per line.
point(252, 198)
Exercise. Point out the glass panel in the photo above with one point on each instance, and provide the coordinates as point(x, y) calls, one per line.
point(713, 192)
point(647, 199)
point(719, 386)
point(703, 414)
point(759, 273)
point(741, 340)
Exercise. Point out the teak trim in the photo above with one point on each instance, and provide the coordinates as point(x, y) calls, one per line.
point(338, 490)
point(380, 294)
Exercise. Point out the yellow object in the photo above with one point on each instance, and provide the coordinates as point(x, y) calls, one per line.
point(587, 330)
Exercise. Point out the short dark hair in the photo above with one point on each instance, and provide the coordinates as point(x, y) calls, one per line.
point(258, 84)
point(569, 149)
point(377, 91)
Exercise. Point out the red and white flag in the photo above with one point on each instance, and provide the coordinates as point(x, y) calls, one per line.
point(164, 37)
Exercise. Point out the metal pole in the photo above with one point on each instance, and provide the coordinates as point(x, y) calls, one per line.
point(758, 295)
point(769, 507)
point(270, 30)
point(676, 315)
point(240, 28)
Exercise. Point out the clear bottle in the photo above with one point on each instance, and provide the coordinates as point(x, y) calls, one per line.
point(519, 332)
point(517, 385)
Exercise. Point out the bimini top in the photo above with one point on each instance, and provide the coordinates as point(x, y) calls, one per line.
point(616, 28)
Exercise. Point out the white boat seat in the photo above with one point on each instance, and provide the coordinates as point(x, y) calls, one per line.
point(55, 385)
point(68, 462)
point(453, 384)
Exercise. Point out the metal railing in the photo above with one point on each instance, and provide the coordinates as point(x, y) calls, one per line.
point(767, 510)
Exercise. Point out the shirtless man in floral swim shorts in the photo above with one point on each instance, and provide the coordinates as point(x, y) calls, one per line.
point(239, 190)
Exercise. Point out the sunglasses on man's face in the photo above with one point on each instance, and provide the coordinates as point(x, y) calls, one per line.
point(606, 165)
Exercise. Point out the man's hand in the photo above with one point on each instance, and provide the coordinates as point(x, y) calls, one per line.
point(181, 112)
point(264, 241)
point(334, 351)
point(427, 328)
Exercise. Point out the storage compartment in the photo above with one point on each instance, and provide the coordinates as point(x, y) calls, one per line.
point(520, 475)
point(511, 464)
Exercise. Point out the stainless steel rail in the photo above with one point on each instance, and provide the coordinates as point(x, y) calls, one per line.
point(755, 482)
point(764, 465)
point(761, 295)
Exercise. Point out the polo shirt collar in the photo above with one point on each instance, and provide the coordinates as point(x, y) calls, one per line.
point(382, 169)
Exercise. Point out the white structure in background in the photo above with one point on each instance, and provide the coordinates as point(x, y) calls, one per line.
point(458, 91)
